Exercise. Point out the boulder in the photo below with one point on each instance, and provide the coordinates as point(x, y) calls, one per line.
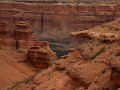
point(67, 60)
point(86, 73)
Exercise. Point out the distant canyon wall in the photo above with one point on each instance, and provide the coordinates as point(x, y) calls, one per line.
point(70, 17)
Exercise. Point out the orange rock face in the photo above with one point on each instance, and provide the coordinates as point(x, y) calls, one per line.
point(41, 57)
point(93, 65)
point(23, 31)
point(39, 53)
point(6, 38)
point(4, 29)
point(58, 17)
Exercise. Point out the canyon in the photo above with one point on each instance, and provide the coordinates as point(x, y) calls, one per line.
point(54, 22)
point(59, 46)
point(93, 65)
point(21, 53)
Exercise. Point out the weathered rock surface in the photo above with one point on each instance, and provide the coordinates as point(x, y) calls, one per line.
point(93, 65)
point(52, 20)
point(96, 35)
point(4, 29)
point(82, 73)
point(41, 57)
point(39, 53)
point(6, 38)
point(70, 59)
point(23, 31)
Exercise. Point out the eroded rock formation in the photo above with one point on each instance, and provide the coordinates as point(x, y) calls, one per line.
point(6, 38)
point(93, 65)
point(23, 31)
point(50, 21)
point(39, 53)
point(58, 18)
point(108, 37)
point(41, 57)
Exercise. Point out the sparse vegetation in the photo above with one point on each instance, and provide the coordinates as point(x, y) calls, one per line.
point(118, 54)
point(19, 83)
point(103, 25)
point(107, 26)
point(111, 28)
point(60, 49)
point(117, 29)
point(29, 79)
point(16, 84)
point(98, 53)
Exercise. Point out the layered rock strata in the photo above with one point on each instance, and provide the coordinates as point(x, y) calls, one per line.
point(7, 40)
point(39, 53)
point(61, 17)
point(41, 57)
point(23, 31)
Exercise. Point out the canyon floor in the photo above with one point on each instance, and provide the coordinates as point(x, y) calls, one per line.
point(93, 65)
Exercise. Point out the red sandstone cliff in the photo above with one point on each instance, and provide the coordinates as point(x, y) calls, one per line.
point(45, 17)
point(94, 64)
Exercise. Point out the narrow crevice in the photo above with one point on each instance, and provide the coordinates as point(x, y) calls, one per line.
point(42, 22)
point(77, 5)
point(16, 42)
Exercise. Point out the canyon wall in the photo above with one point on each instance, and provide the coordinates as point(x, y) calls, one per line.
point(58, 16)
point(22, 38)
point(68, 1)
point(54, 22)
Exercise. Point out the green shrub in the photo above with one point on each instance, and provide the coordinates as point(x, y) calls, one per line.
point(18, 83)
point(98, 53)
point(103, 25)
point(29, 79)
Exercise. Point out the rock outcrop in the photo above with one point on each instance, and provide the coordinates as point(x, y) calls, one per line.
point(39, 53)
point(68, 60)
point(108, 37)
point(41, 57)
point(4, 29)
point(6, 38)
point(49, 19)
point(93, 65)
point(82, 73)
point(23, 31)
